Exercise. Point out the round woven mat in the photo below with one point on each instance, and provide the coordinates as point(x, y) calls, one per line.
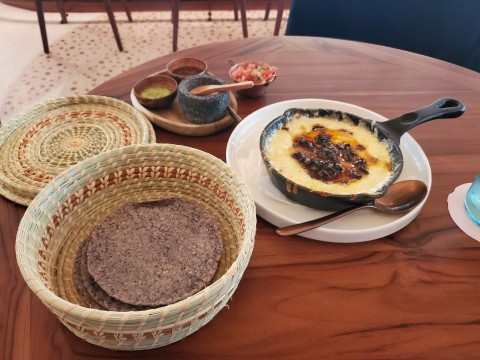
point(39, 143)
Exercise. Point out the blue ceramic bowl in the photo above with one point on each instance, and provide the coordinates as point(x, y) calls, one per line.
point(202, 109)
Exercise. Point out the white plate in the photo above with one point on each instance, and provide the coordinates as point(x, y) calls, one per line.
point(243, 155)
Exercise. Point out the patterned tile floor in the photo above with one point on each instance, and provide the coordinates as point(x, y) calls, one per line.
point(83, 53)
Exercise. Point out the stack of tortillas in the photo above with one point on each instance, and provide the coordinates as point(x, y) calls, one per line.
point(146, 255)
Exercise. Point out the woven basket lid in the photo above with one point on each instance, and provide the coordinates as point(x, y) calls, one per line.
point(41, 142)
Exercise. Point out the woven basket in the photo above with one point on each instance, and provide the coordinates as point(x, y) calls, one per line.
point(41, 142)
point(64, 213)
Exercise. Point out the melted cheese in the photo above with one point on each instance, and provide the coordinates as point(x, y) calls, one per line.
point(280, 149)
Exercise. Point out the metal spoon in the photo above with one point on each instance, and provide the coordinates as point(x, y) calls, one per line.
point(208, 89)
point(401, 196)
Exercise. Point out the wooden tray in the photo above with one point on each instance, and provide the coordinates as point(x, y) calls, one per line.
point(172, 119)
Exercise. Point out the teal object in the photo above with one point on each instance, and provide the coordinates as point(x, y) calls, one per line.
point(472, 200)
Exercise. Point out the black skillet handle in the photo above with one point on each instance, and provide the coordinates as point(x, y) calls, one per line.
point(440, 109)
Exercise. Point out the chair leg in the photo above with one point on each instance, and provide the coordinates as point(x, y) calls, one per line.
point(113, 23)
point(243, 14)
point(235, 10)
point(209, 3)
point(127, 10)
point(61, 10)
point(278, 21)
point(175, 20)
point(267, 10)
point(41, 23)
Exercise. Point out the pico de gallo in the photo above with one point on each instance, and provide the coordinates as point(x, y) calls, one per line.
point(257, 72)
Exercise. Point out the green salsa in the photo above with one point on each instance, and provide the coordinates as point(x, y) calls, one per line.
point(155, 92)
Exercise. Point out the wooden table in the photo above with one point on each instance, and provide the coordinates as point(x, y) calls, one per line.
point(412, 295)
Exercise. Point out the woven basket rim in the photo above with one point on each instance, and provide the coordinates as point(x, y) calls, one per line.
point(68, 100)
point(23, 118)
point(49, 297)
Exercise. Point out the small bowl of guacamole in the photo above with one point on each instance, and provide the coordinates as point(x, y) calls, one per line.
point(156, 91)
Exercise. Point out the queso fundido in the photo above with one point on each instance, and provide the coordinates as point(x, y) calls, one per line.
point(328, 155)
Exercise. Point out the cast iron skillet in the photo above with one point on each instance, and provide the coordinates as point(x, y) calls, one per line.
point(390, 131)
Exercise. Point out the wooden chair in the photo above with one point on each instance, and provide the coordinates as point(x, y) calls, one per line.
point(235, 10)
point(63, 13)
point(445, 30)
point(60, 5)
point(176, 13)
point(278, 20)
